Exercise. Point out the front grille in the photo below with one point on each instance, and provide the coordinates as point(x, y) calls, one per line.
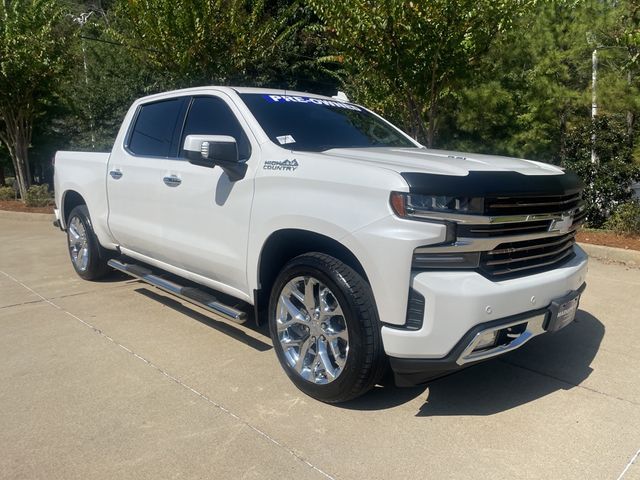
point(527, 257)
point(531, 205)
point(502, 229)
point(535, 208)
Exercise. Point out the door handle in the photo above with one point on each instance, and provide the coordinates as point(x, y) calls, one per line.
point(116, 174)
point(172, 181)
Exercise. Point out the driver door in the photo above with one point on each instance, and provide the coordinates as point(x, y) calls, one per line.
point(207, 215)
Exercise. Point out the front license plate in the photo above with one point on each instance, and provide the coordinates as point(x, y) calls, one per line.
point(563, 313)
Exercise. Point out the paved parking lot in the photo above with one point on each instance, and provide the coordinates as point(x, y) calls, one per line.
point(117, 380)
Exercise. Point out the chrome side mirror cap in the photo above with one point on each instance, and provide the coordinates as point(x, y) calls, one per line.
point(212, 150)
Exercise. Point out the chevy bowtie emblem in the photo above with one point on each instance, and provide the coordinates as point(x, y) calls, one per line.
point(563, 225)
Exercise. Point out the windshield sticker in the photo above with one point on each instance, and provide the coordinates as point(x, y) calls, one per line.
point(310, 100)
point(286, 165)
point(284, 139)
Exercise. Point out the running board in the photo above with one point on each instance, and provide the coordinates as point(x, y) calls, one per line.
point(190, 294)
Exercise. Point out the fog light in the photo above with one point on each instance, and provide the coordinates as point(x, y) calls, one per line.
point(487, 339)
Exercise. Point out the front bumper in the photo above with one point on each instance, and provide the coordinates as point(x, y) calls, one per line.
point(413, 371)
point(458, 303)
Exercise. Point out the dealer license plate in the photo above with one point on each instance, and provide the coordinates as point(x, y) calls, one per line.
point(563, 313)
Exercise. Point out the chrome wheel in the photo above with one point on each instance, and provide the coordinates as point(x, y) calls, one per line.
point(78, 244)
point(312, 330)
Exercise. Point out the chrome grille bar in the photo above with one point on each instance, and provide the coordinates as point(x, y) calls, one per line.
point(555, 261)
point(562, 248)
point(499, 251)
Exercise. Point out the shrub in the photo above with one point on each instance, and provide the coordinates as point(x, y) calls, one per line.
point(38, 196)
point(625, 219)
point(608, 181)
point(7, 193)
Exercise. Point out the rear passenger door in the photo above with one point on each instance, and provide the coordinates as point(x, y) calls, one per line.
point(135, 176)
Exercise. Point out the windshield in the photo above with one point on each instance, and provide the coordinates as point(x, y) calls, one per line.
point(315, 124)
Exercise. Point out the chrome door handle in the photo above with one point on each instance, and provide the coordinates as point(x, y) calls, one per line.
point(115, 174)
point(172, 181)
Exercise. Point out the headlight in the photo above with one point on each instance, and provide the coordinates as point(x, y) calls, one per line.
point(411, 205)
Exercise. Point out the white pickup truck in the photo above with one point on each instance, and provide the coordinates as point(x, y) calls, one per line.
point(362, 249)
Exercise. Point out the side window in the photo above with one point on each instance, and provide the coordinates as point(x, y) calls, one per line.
point(212, 116)
point(156, 127)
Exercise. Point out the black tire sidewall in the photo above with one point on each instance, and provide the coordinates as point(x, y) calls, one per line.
point(308, 265)
point(96, 265)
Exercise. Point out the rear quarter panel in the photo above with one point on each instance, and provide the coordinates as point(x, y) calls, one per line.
point(85, 173)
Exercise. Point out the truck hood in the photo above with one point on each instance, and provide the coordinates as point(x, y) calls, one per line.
point(442, 162)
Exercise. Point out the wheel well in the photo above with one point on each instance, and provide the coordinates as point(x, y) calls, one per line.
point(287, 244)
point(71, 200)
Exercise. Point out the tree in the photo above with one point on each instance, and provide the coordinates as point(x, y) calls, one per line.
point(608, 181)
point(219, 41)
point(34, 37)
point(414, 50)
point(529, 87)
point(624, 34)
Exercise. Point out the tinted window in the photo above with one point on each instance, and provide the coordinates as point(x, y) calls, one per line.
point(156, 127)
point(212, 116)
point(308, 123)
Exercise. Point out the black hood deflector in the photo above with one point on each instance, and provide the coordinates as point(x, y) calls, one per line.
point(494, 184)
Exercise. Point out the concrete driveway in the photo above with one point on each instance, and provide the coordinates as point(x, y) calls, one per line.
point(117, 380)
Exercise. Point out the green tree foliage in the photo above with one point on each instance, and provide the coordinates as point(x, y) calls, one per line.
point(34, 38)
point(131, 50)
point(531, 84)
point(532, 98)
point(607, 181)
point(507, 77)
point(97, 93)
point(192, 42)
point(413, 51)
point(625, 220)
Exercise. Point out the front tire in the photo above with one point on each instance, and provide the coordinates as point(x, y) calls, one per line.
point(325, 329)
point(88, 257)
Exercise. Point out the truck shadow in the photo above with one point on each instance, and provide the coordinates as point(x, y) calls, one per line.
point(234, 332)
point(116, 277)
point(559, 361)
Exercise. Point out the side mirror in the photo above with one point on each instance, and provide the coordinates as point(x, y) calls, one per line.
point(212, 150)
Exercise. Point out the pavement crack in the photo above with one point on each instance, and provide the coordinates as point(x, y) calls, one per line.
point(162, 371)
point(562, 380)
point(30, 302)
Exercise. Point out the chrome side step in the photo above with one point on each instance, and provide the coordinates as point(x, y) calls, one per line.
point(190, 294)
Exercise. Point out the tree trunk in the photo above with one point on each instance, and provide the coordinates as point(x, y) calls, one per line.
point(416, 120)
point(432, 123)
point(631, 120)
point(563, 136)
point(433, 103)
point(23, 177)
point(17, 136)
point(20, 159)
point(631, 117)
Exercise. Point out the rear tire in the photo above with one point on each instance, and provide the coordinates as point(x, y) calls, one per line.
point(88, 257)
point(324, 325)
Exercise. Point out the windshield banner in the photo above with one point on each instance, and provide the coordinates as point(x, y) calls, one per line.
point(310, 100)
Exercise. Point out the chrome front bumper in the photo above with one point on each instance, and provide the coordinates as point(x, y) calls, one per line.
point(510, 333)
point(534, 327)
